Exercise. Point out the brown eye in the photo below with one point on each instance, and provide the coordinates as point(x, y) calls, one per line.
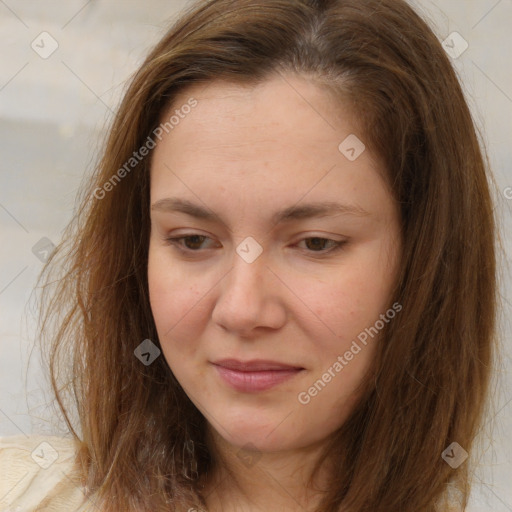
point(318, 244)
point(195, 241)
point(186, 243)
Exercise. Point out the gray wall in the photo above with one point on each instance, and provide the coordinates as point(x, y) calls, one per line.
point(52, 110)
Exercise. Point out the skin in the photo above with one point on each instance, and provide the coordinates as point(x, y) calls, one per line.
point(244, 153)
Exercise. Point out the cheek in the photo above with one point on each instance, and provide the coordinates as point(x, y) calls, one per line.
point(344, 308)
point(347, 304)
point(175, 300)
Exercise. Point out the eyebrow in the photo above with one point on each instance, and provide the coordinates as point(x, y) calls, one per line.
point(295, 212)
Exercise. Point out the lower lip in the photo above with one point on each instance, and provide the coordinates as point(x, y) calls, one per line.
point(255, 381)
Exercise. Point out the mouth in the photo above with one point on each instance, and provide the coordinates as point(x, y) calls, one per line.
point(256, 375)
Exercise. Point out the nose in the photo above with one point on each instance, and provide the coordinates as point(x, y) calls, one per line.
point(249, 296)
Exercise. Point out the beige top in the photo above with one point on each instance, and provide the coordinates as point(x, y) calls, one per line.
point(35, 475)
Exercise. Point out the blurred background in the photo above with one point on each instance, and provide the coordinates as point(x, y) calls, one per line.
point(64, 67)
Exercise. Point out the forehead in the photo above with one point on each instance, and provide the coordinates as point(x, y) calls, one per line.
point(279, 140)
point(282, 110)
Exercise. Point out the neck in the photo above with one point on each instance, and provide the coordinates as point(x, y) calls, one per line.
point(249, 480)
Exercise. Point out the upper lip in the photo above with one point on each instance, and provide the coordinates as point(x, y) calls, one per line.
point(255, 365)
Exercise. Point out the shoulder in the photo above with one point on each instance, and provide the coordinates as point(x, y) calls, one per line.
point(38, 471)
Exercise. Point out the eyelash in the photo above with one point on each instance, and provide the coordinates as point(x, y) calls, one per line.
point(175, 242)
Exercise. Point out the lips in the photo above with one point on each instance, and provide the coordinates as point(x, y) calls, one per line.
point(255, 375)
point(255, 365)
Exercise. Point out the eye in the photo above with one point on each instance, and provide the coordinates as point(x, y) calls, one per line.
point(192, 242)
point(317, 244)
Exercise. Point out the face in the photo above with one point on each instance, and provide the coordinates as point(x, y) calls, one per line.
point(247, 264)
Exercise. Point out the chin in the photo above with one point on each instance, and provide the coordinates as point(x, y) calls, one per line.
point(257, 435)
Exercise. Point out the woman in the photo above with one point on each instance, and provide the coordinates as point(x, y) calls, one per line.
point(280, 286)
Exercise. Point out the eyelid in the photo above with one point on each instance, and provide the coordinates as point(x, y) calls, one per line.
point(175, 242)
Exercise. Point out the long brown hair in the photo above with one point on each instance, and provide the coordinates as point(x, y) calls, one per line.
point(432, 367)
